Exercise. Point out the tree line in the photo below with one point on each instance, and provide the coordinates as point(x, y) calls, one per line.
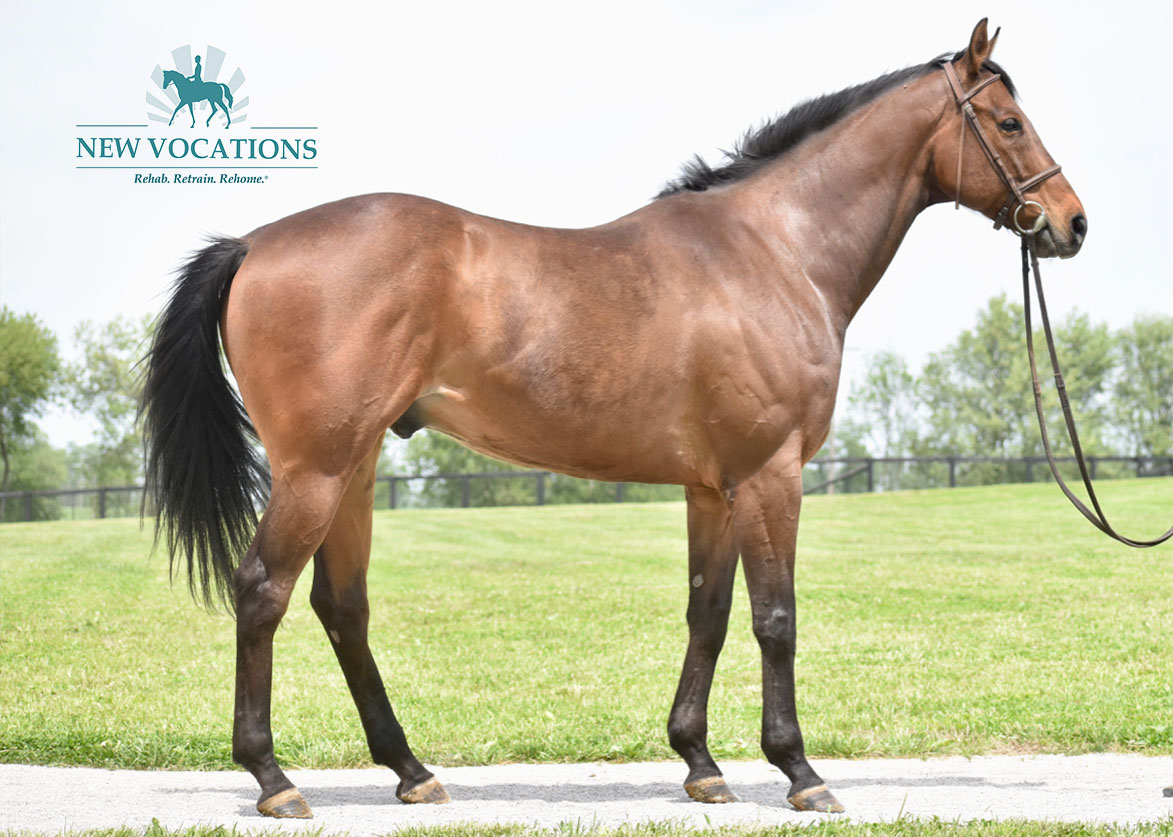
point(973, 397)
point(101, 385)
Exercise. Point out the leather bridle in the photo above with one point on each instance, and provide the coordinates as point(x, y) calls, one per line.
point(1030, 264)
point(1017, 189)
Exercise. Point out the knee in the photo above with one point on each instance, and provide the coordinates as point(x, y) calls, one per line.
point(774, 626)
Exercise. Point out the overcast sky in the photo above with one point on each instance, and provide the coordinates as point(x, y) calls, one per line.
point(563, 115)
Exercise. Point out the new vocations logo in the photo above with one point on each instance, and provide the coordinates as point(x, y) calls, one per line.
point(197, 122)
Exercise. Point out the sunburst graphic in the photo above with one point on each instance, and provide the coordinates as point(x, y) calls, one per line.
point(213, 66)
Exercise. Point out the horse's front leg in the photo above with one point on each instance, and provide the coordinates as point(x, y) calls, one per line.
point(765, 517)
point(178, 108)
point(712, 563)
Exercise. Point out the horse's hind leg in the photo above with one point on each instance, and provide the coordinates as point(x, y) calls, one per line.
point(712, 563)
point(292, 528)
point(339, 598)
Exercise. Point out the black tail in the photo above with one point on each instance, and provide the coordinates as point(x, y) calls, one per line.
point(204, 474)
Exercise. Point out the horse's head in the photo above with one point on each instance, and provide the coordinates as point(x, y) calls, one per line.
point(992, 160)
point(171, 77)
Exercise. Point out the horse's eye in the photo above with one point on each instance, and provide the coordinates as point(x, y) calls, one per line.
point(1010, 126)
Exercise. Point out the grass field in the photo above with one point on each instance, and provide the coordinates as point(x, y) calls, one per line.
point(937, 622)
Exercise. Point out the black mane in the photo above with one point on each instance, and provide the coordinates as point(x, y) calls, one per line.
point(779, 135)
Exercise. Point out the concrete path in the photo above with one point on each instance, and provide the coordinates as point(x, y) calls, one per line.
point(1094, 788)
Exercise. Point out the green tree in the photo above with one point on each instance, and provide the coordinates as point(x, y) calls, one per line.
point(884, 405)
point(1087, 358)
point(434, 453)
point(106, 387)
point(845, 440)
point(977, 389)
point(979, 396)
point(1142, 408)
point(884, 413)
point(430, 452)
point(36, 466)
point(29, 370)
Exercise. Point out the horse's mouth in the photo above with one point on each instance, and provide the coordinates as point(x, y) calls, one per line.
point(1048, 245)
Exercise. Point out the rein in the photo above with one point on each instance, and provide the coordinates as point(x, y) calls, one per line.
point(1030, 264)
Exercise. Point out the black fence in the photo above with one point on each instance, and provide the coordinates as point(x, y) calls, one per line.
point(865, 474)
point(528, 488)
point(71, 503)
point(509, 488)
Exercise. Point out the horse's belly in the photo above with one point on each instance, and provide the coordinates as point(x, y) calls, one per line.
point(602, 447)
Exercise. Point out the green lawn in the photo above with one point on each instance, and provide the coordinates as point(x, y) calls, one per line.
point(936, 622)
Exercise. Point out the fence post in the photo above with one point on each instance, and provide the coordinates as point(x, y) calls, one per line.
point(871, 476)
point(28, 506)
point(394, 485)
point(1030, 469)
point(1139, 470)
point(620, 490)
point(541, 489)
point(952, 472)
point(101, 503)
point(1091, 461)
point(466, 491)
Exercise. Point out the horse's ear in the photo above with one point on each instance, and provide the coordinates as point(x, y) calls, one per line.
point(980, 47)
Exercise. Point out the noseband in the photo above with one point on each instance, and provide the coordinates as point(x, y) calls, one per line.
point(1017, 189)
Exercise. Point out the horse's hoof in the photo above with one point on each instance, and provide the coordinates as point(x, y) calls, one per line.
point(817, 799)
point(1169, 791)
point(711, 789)
point(427, 792)
point(287, 804)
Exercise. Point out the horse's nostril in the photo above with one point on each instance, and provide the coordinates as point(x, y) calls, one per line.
point(1079, 228)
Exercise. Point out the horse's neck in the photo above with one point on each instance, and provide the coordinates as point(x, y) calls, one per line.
point(840, 205)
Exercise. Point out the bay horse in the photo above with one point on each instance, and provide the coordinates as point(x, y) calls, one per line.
point(696, 341)
point(190, 92)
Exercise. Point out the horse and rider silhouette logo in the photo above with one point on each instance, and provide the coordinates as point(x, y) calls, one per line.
point(194, 89)
point(195, 83)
